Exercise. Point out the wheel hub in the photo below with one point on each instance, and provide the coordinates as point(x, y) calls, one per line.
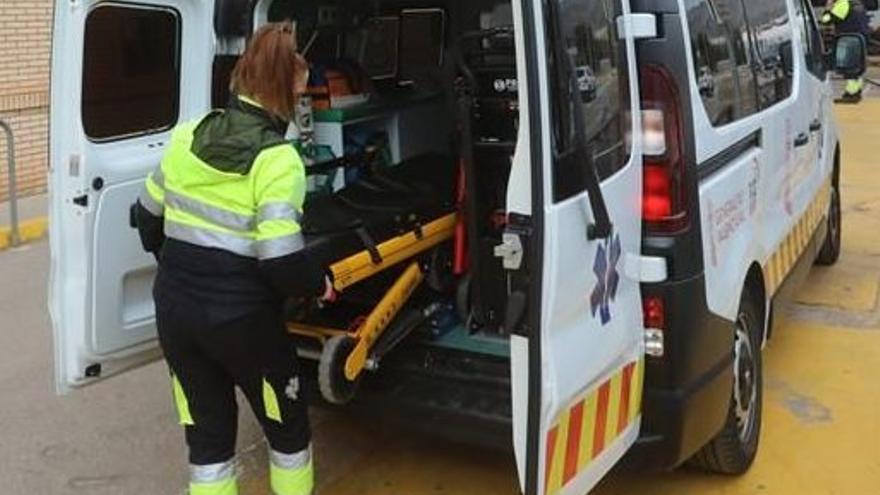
point(745, 388)
point(834, 216)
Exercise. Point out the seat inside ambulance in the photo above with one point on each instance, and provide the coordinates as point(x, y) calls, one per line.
point(407, 131)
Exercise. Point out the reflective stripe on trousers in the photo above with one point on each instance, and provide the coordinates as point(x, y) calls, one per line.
point(213, 479)
point(854, 86)
point(291, 474)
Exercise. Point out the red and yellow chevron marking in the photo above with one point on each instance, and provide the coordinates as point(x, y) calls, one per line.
point(585, 429)
point(789, 251)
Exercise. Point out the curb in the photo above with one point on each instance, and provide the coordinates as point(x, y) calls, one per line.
point(30, 230)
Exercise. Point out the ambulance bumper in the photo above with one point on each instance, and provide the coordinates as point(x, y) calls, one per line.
point(687, 391)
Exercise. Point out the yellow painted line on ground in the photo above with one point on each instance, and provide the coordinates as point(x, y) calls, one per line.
point(844, 287)
point(821, 425)
point(821, 433)
point(820, 436)
point(29, 230)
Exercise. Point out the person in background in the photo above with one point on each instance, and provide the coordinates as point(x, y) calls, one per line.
point(222, 215)
point(849, 16)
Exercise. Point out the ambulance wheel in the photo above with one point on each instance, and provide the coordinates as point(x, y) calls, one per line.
point(830, 251)
point(733, 450)
point(334, 386)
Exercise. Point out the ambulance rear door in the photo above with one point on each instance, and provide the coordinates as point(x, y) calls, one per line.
point(573, 243)
point(123, 74)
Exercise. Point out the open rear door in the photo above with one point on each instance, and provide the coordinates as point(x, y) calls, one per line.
point(577, 349)
point(123, 74)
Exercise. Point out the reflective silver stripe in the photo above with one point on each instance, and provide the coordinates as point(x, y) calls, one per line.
point(296, 460)
point(147, 201)
point(278, 211)
point(158, 177)
point(223, 218)
point(209, 238)
point(280, 246)
point(211, 473)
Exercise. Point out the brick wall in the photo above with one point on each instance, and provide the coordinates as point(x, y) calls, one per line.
point(25, 41)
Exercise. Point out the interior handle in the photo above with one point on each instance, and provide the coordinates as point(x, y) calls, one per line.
point(801, 140)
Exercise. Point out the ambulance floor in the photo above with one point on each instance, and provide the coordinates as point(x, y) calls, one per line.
point(821, 430)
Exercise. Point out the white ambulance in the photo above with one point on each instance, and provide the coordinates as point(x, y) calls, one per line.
point(663, 169)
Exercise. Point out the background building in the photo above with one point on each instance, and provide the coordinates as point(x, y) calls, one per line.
point(25, 43)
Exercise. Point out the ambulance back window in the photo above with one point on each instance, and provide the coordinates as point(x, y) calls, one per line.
point(131, 65)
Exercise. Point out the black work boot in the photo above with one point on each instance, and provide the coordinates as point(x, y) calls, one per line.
point(849, 98)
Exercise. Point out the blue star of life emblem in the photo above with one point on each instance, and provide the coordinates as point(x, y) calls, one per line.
point(607, 278)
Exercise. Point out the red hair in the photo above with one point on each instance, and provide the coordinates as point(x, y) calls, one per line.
point(270, 69)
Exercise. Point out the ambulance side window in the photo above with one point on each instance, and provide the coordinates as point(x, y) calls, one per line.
point(722, 58)
point(770, 26)
point(131, 71)
point(592, 78)
point(812, 39)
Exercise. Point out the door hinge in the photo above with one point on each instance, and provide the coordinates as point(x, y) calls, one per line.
point(510, 251)
point(639, 26)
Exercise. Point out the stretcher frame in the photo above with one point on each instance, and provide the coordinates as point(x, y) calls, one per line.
point(361, 266)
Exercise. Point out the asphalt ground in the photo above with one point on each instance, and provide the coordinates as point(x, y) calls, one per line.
point(821, 430)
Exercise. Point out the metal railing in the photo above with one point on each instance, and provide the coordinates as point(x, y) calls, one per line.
point(13, 191)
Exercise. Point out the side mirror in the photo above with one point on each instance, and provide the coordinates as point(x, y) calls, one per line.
point(850, 56)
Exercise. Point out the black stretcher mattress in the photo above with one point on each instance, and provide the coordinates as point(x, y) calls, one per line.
point(384, 203)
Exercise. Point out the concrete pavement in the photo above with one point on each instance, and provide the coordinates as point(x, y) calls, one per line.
point(118, 437)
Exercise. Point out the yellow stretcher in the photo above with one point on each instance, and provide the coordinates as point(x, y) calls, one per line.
point(346, 353)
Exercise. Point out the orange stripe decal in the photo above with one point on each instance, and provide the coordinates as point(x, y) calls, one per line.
point(551, 446)
point(574, 442)
point(623, 411)
point(583, 431)
point(601, 419)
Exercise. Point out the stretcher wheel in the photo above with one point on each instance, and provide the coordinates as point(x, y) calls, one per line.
point(335, 387)
point(439, 273)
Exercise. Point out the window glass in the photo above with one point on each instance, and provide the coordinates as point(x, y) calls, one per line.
point(130, 71)
point(591, 101)
point(771, 31)
point(811, 38)
point(722, 57)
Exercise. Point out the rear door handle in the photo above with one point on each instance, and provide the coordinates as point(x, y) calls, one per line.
point(816, 125)
point(801, 140)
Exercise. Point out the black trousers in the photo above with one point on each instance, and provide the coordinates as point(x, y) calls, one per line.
point(253, 352)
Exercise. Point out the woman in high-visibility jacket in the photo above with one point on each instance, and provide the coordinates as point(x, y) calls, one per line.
point(222, 215)
point(849, 16)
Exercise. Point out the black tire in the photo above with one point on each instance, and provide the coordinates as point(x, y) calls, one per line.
point(334, 386)
point(830, 251)
point(733, 450)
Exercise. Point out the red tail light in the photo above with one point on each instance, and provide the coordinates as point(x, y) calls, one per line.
point(654, 312)
point(663, 201)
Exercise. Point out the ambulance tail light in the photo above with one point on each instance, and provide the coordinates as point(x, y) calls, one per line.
point(663, 201)
point(654, 311)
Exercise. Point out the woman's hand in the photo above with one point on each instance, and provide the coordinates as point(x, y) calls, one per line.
point(329, 295)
